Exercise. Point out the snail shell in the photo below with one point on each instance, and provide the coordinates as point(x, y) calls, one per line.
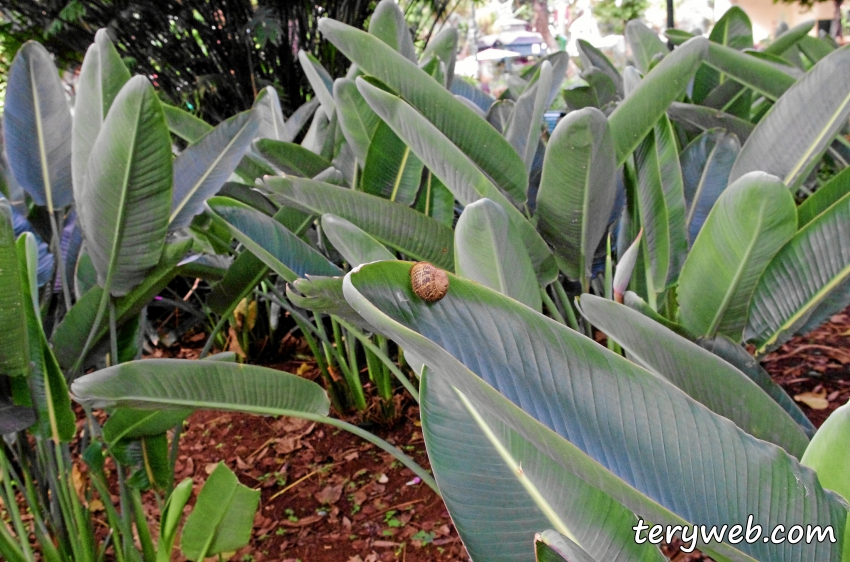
point(430, 283)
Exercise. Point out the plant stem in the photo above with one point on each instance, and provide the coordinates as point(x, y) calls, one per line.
point(568, 307)
point(60, 260)
point(12, 509)
point(552, 307)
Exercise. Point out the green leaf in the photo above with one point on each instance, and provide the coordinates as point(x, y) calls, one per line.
point(390, 223)
point(577, 190)
point(443, 46)
point(733, 30)
point(789, 38)
point(822, 199)
point(14, 346)
point(201, 169)
point(323, 295)
point(702, 375)
point(37, 128)
point(814, 48)
point(524, 126)
point(592, 57)
point(222, 518)
point(101, 77)
point(184, 124)
point(126, 197)
point(489, 251)
point(147, 458)
point(392, 170)
point(454, 169)
point(320, 80)
point(661, 204)
point(697, 119)
point(751, 221)
point(760, 75)
point(500, 489)
point(356, 119)
point(706, 163)
point(620, 428)
point(645, 45)
point(801, 278)
point(807, 118)
point(387, 24)
point(355, 245)
point(298, 119)
point(172, 513)
point(640, 111)
point(435, 200)
point(291, 158)
point(245, 273)
point(829, 452)
point(551, 546)
point(130, 423)
point(280, 249)
point(458, 123)
point(271, 123)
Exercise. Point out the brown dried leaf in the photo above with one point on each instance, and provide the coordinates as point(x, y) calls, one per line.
point(814, 400)
point(329, 494)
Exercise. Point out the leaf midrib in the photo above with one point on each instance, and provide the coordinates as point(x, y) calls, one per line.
point(790, 177)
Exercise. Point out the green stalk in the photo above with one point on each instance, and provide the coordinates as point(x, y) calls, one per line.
point(609, 290)
point(148, 550)
point(24, 551)
point(113, 334)
point(552, 307)
point(568, 307)
point(320, 362)
point(351, 348)
point(352, 378)
point(60, 259)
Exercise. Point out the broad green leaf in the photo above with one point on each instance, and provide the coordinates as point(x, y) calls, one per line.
point(280, 249)
point(813, 266)
point(201, 169)
point(185, 125)
point(577, 190)
point(435, 200)
point(14, 356)
point(320, 80)
point(37, 128)
point(592, 57)
point(356, 119)
point(355, 245)
point(814, 48)
point(172, 514)
point(790, 38)
point(604, 89)
point(703, 376)
point(661, 205)
point(465, 180)
point(460, 124)
point(500, 489)
point(645, 45)
point(130, 423)
point(635, 117)
point(829, 452)
point(696, 119)
point(391, 224)
point(750, 71)
point(245, 273)
point(524, 127)
point(70, 335)
point(706, 163)
point(489, 251)
point(733, 30)
point(730, 97)
point(291, 158)
point(392, 170)
point(101, 77)
point(500, 113)
point(249, 196)
point(822, 199)
point(147, 459)
point(736, 355)
point(753, 218)
point(619, 428)
point(387, 24)
point(126, 196)
point(464, 89)
point(551, 546)
point(443, 46)
point(298, 119)
point(270, 116)
point(807, 118)
point(223, 516)
point(323, 295)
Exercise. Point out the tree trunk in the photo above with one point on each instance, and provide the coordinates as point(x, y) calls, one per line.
point(541, 22)
point(835, 29)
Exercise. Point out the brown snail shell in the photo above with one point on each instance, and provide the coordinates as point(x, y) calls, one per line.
point(430, 283)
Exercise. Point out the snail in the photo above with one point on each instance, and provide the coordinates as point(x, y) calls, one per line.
point(430, 283)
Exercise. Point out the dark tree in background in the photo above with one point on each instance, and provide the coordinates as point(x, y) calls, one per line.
point(211, 56)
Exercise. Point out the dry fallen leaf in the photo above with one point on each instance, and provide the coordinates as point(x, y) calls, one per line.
point(329, 494)
point(814, 400)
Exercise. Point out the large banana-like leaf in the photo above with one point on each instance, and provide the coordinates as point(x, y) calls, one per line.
point(635, 117)
point(706, 163)
point(551, 546)
point(500, 489)
point(619, 427)
point(392, 224)
point(126, 196)
point(443, 45)
point(750, 71)
point(790, 140)
point(645, 45)
point(796, 287)
point(790, 38)
point(592, 57)
point(661, 204)
point(524, 127)
point(392, 170)
point(489, 251)
point(704, 376)
point(37, 128)
point(291, 158)
point(298, 119)
point(822, 199)
point(697, 119)
point(734, 30)
point(184, 124)
point(577, 190)
point(466, 90)
point(829, 452)
point(356, 119)
point(455, 170)
point(324, 296)
point(14, 357)
point(388, 24)
point(201, 169)
point(814, 48)
point(101, 77)
point(280, 249)
point(320, 80)
point(459, 123)
point(435, 200)
point(751, 221)
point(270, 116)
point(355, 245)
